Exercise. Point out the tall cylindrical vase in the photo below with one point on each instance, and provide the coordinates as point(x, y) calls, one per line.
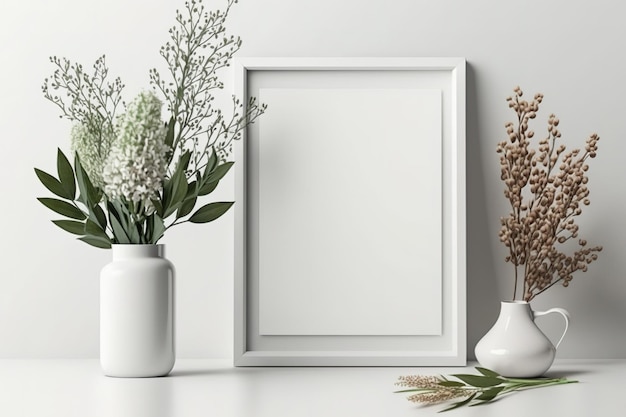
point(137, 312)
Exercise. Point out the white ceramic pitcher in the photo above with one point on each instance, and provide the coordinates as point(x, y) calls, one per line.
point(515, 347)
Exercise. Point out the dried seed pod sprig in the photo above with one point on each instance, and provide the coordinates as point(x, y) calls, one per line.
point(473, 389)
point(546, 188)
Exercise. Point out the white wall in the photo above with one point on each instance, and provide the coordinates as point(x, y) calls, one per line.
point(569, 50)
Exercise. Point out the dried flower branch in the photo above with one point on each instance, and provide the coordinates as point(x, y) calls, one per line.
point(546, 188)
point(474, 389)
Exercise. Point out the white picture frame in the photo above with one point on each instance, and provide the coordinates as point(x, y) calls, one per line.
point(381, 141)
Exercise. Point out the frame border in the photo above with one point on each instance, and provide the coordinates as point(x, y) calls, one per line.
point(457, 356)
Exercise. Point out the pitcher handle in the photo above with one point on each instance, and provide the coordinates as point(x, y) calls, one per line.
point(562, 312)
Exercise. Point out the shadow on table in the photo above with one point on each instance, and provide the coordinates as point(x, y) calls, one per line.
point(574, 370)
point(209, 371)
point(567, 373)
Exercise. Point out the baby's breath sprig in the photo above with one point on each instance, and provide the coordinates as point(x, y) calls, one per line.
point(546, 188)
point(473, 389)
point(198, 48)
point(90, 101)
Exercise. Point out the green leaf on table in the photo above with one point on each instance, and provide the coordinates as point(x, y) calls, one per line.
point(52, 184)
point(72, 226)
point(96, 241)
point(487, 372)
point(63, 208)
point(412, 390)
point(479, 381)
point(210, 212)
point(66, 174)
point(489, 394)
point(451, 384)
point(460, 403)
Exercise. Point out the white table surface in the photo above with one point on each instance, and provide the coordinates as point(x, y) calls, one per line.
point(215, 388)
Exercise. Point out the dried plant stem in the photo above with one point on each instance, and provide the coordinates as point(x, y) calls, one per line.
point(546, 188)
point(468, 389)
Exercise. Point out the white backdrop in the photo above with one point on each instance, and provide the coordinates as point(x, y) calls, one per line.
point(568, 50)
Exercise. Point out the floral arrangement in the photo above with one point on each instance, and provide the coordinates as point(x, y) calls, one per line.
point(471, 389)
point(135, 174)
point(546, 189)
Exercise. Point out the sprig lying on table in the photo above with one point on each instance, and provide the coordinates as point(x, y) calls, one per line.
point(474, 389)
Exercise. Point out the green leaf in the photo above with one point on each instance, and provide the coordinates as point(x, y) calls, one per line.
point(99, 215)
point(124, 212)
point(211, 164)
point(210, 212)
point(89, 195)
point(63, 208)
point(158, 207)
point(52, 184)
point(118, 231)
point(158, 228)
point(99, 193)
point(183, 162)
point(219, 172)
point(169, 137)
point(192, 190)
point(490, 394)
point(186, 207)
point(74, 227)
point(479, 381)
point(118, 223)
point(96, 241)
point(175, 188)
point(460, 403)
point(208, 188)
point(133, 233)
point(66, 174)
point(487, 372)
point(115, 211)
point(167, 196)
point(451, 384)
point(124, 228)
point(92, 228)
point(412, 390)
point(179, 192)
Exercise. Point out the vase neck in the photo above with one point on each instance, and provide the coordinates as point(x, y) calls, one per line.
point(132, 251)
point(515, 307)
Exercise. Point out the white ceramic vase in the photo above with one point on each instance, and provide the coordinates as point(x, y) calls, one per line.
point(137, 312)
point(515, 347)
